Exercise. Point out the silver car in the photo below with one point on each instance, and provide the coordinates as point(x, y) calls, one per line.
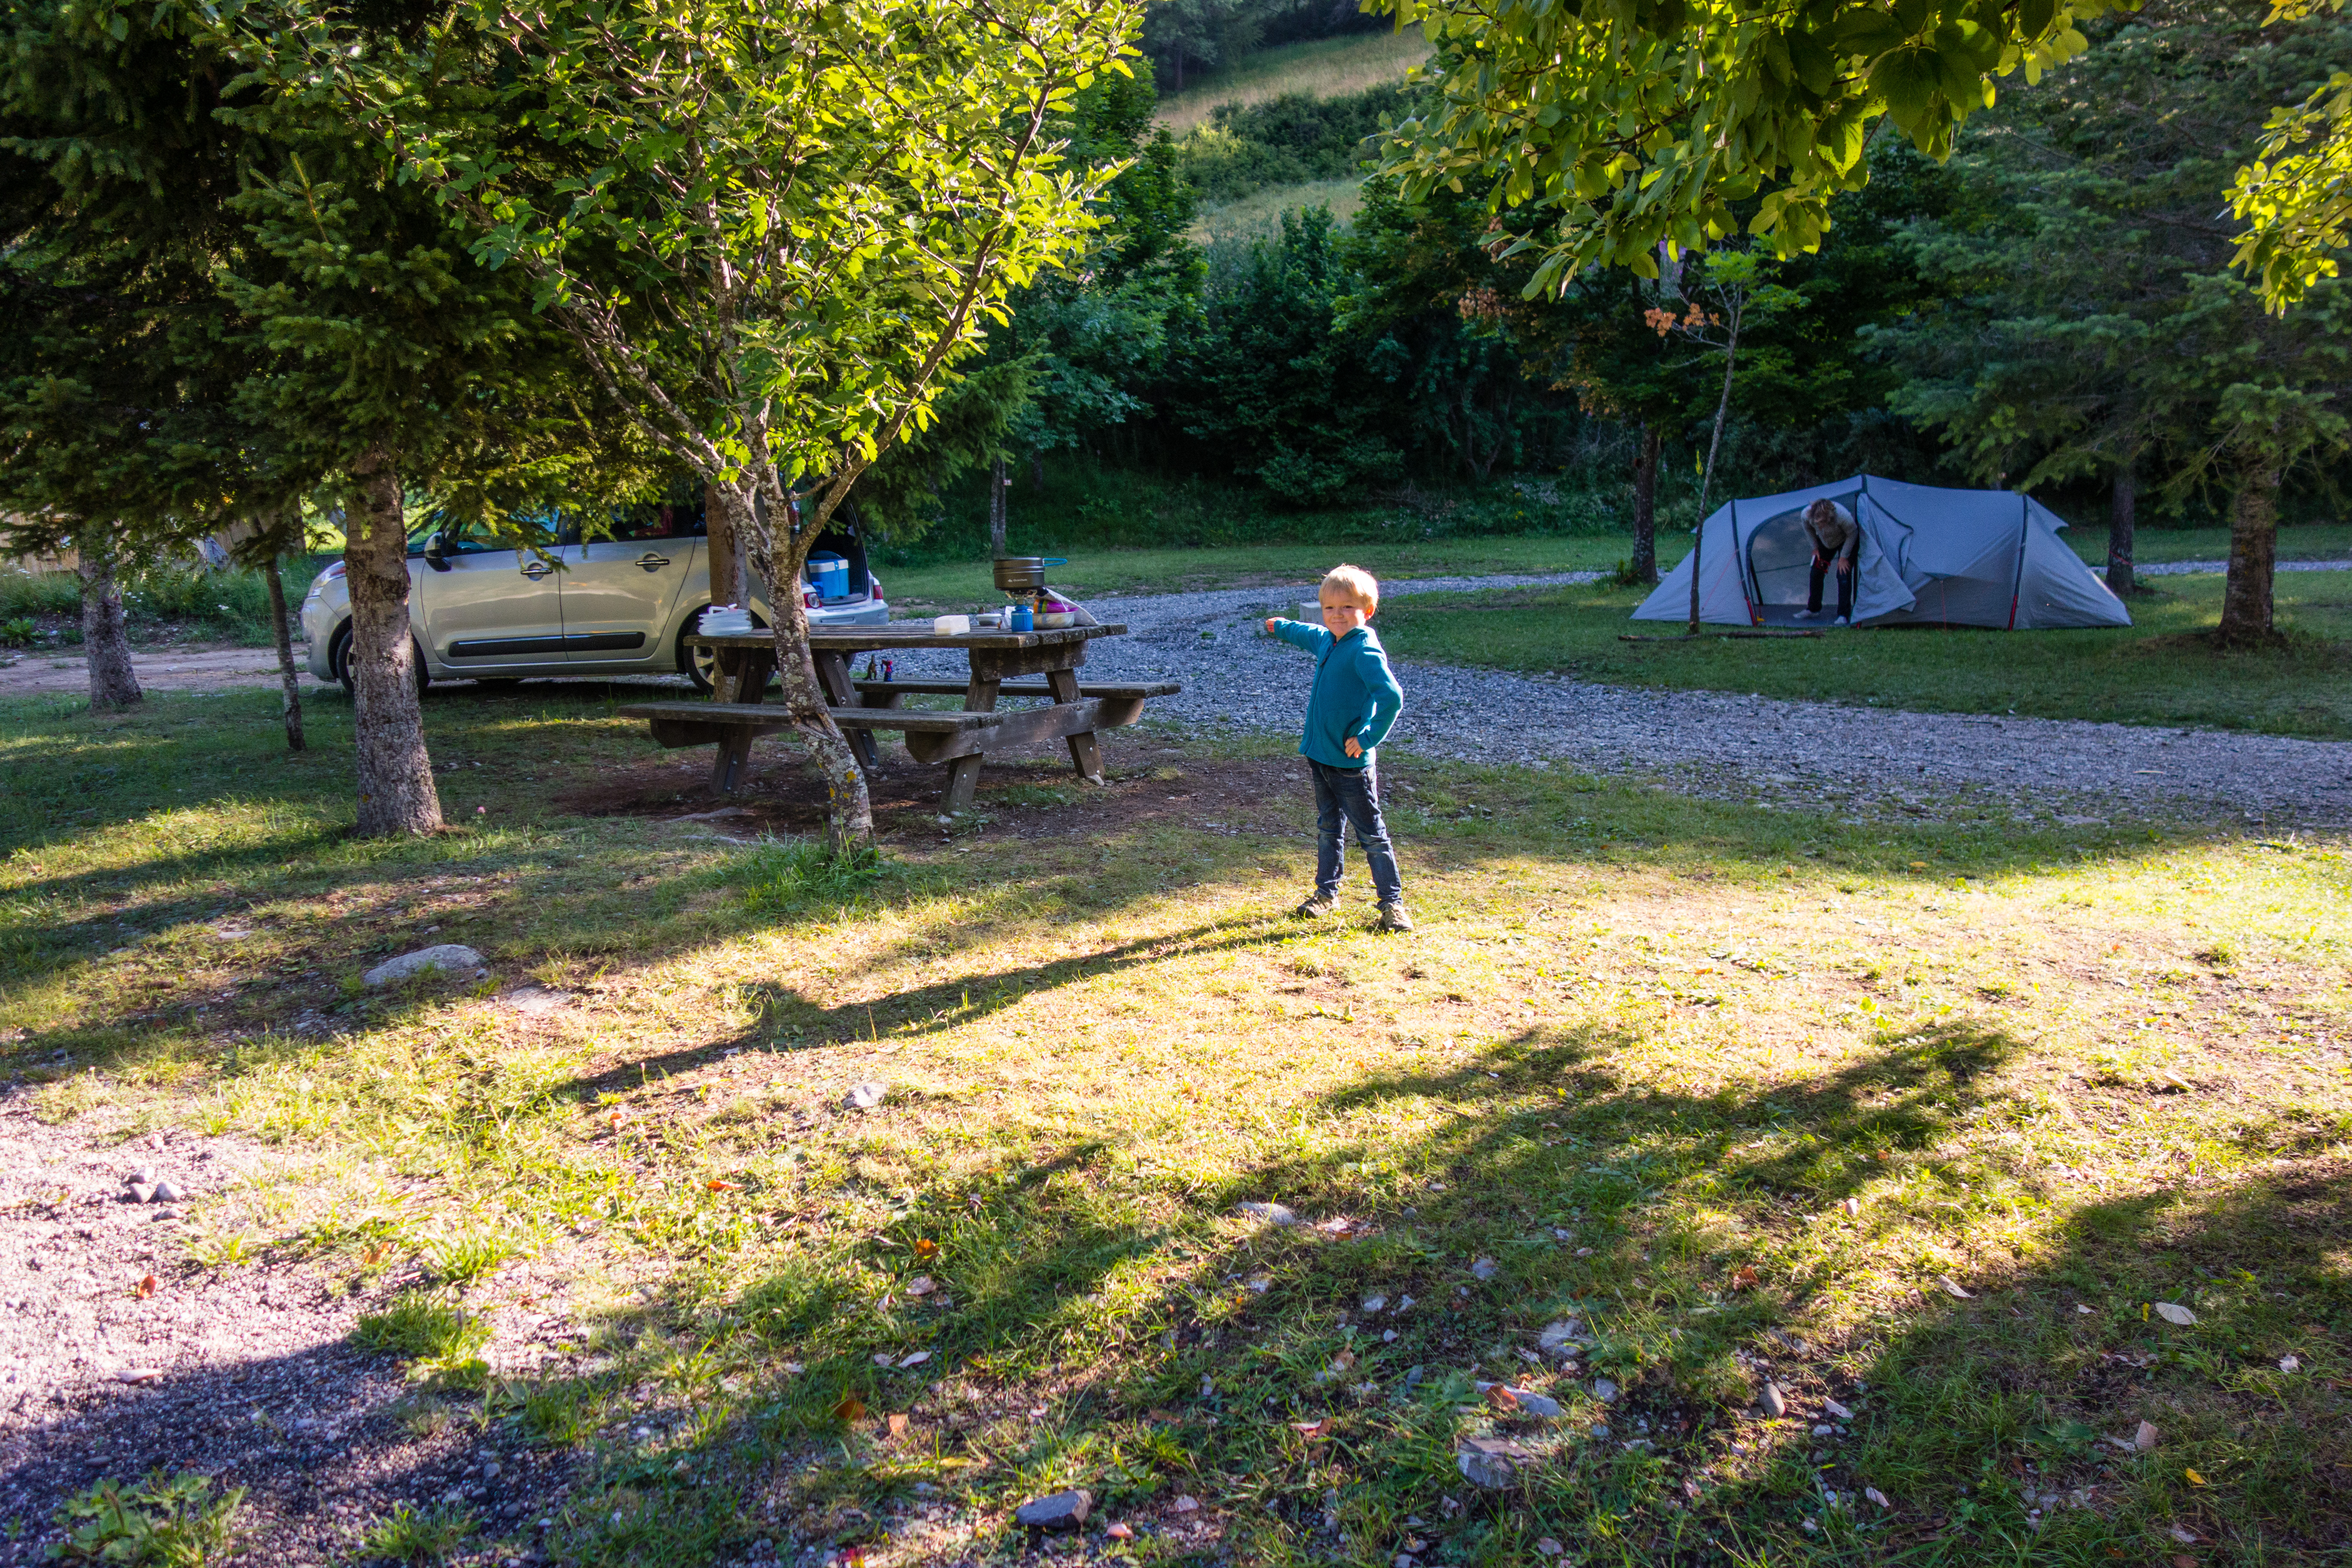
point(483, 610)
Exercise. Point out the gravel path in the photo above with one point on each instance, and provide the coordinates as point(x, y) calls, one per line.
point(1815, 755)
point(2190, 568)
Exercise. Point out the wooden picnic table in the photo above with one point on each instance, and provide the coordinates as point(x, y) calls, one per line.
point(735, 716)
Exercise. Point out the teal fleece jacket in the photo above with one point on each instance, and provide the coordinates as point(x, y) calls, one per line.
point(1356, 692)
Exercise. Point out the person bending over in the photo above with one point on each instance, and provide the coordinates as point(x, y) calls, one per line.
point(1837, 542)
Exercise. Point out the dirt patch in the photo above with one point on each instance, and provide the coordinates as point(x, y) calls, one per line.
point(241, 1372)
point(45, 670)
point(1030, 794)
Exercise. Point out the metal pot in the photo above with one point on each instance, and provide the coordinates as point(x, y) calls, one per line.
point(1024, 574)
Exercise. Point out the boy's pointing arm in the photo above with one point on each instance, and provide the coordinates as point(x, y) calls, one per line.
point(1299, 633)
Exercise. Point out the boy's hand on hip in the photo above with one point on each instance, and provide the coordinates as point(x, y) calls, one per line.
point(1354, 747)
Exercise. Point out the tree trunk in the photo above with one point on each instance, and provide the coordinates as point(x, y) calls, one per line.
point(2123, 504)
point(395, 774)
point(1645, 506)
point(2253, 557)
point(850, 810)
point(997, 484)
point(112, 685)
point(1707, 474)
point(283, 635)
point(721, 551)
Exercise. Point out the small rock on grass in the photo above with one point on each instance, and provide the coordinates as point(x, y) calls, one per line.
point(165, 1192)
point(1561, 1338)
point(1528, 1402)
point(2145, 1438)
point(144, 1174)
point(1775, 1403)
point(1604, 1391)
point(1482, 1269)
point(1063, 1511)
point(1277, 1214)
point(142, 1192)
point(452, 958)
point(867, 1096)
point(1184, 1505)
point(1490, 1462)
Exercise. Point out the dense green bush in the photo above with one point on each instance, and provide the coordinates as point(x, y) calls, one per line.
point(228, 604)
point(1286, 141)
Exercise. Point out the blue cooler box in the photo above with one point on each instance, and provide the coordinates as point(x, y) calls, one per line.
point(829, 574)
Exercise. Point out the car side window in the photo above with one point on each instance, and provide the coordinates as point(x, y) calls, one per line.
point(657, 520)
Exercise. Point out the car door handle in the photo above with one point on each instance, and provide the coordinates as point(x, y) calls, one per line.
point(535, 569)
point(653, 562)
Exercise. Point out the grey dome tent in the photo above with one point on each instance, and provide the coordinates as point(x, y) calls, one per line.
point(1928, 557)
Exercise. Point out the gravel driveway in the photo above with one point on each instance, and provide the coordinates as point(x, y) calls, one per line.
point(1816, 754)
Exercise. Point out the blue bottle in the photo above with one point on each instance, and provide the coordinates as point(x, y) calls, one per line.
point(1023, 620)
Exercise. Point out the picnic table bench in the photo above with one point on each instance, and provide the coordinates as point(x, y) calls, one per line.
point(1077, 711)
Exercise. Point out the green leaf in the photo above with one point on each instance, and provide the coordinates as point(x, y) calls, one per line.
point(1911, 16)
point(1814, 65)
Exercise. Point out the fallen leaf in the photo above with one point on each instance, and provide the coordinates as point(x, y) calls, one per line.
point(917, 1359)
point(1343, 1361)
point(2145, 1438)
point(920, 1285)
point(1547, 1547)
point(145, 1287)
point(1853, 1205)
point(2290, 1364)
point(2183, 1534)
point(851, 1408)
point(1952, 1288)
point(2182, 1560)
point(1483, 1268)
point(925, 1249)
point(2179, 1316)
point(897, 1426)
point(885, 1358)
point(1744, 1276)
point(1310, 1430)
point(1119, 1532)
point(1502, 1398)
point(720, 1186)
point(2194, 1479)
point(1875, 1495)
point(1834, 1408)
point(1259, 1284)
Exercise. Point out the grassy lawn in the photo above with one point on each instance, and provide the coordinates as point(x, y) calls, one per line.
point(1260, 213)
point(2147, 674)
point(1903, 1127)
point(1319, 67)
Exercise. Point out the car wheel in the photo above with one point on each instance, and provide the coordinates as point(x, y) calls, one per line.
point(338, 662)
point(699, 665)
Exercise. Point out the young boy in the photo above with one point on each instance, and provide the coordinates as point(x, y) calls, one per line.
point(1355, 701)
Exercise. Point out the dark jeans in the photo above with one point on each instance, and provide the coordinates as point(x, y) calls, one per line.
point(1846, 588)
point(1351, 797)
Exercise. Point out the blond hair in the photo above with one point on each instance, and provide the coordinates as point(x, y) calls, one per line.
point(1358, 585)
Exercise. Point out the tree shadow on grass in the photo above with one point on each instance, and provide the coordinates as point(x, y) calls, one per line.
point(1046, 1321)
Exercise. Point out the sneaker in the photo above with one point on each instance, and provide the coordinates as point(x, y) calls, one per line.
point(1806, 616)
point(1317, 905)
point(1840, 622)
point(1393, 918)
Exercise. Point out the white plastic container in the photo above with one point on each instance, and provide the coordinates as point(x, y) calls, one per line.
point(952, 627)
point(726, 621)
